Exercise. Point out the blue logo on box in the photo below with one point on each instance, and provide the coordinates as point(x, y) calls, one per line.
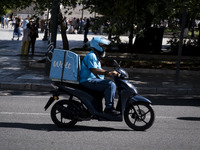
point(59, 64)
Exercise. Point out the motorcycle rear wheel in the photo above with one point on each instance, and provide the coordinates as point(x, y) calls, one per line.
point(60, 117)
point(139, 116)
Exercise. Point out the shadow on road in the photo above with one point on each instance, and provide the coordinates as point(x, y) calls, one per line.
point(52, 127)
point(181, 100)
point(189, 118)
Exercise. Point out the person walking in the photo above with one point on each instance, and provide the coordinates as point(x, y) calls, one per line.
point(33, 35)
point(17, 31)
point(26, 40)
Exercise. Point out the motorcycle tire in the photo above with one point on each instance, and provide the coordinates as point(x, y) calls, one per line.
point(60, 116)
point(139, 116)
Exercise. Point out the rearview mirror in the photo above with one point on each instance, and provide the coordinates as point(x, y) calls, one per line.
point(115, 63)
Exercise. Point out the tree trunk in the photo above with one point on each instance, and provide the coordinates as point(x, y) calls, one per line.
point(199, 35)
point(53, 31)
point(54, 21)
point(109, 33)
point(63, 32)
point(131, 36)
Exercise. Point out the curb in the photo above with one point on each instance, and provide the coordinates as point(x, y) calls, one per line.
point(157, 71)
point(34, 64)
point(26, 86)
point(169, 91)
point(141, 90)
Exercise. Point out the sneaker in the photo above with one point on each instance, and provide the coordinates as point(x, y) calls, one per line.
point(111, 111)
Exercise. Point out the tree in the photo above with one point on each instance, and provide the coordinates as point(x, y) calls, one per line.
point(4, 10)
point(40, 6)
point(6, 6)
point(123, 14)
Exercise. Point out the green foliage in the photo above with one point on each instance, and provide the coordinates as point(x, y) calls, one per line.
point(39, 5)
point(190, 47)
point(122, 14)
point(4, 10)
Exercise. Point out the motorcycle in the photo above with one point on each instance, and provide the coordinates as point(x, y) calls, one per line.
point(84, 105)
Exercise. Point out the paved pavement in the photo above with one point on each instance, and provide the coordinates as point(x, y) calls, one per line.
point(21, 73)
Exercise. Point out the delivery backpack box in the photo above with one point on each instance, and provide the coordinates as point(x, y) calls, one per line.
point(65, 66)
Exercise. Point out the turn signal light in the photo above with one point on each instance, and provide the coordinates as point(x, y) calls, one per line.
point(55, 97)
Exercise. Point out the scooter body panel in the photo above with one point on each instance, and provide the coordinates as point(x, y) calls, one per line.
point(138, 98)
point(86, 98)
point(124, 97)
point(127, 97)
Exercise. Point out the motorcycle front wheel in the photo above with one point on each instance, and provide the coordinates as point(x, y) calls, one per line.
point(139, 116)
point(62, 114)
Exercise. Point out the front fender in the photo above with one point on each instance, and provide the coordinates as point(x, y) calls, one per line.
point(138, 98)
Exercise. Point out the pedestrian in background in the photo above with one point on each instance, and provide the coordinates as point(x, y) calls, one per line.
point(77, 25)
point(13, 22)
point(42, 25)
point(24, 23)
point(2, 21)
point(86, 28)
point(17, 31)
point(26, 40)
point(6, 22)
point(33, 35)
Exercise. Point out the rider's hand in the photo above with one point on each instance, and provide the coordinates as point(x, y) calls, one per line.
point(113, 73)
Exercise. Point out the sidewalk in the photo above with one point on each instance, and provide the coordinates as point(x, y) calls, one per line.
point(17, 74)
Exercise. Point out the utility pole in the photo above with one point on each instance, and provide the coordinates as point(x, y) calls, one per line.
point(54, 21)
point(46, 36)
point(180, 45)
point(81, 27)
point(53, 33)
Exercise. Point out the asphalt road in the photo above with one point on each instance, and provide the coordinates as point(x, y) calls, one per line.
point(25, 125)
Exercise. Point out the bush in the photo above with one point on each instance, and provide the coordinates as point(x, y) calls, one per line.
point(190, 47)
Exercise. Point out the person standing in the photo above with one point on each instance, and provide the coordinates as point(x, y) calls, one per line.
point(42, 25)
point(77, 25)
point(24, 23)
point(13, 22)
point(33, 35)
point(86, 28)
point(6, 21)
point(26, 40)
point(2, 21)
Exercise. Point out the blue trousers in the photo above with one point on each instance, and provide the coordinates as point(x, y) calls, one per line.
point(101, 85)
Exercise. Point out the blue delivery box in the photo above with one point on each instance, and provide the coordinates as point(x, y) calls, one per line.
point(65, 66)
